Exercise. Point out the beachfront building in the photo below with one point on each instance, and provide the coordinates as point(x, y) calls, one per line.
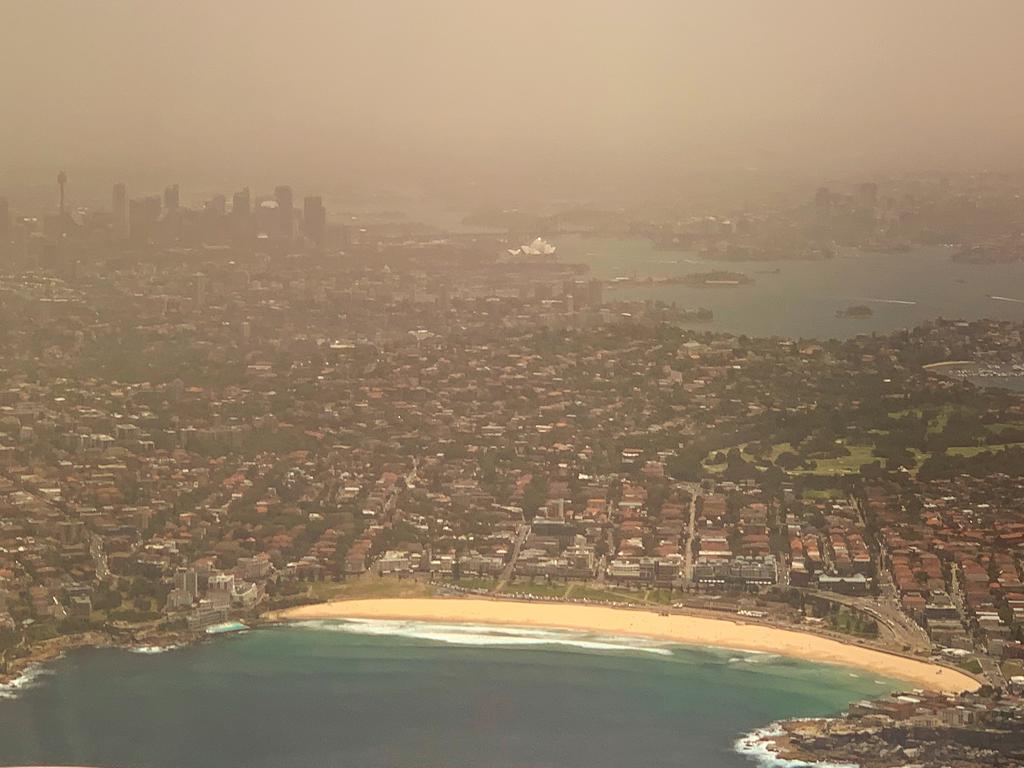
point(394, 562)
point(206, 615)
point(646, 570)
point(737, 572)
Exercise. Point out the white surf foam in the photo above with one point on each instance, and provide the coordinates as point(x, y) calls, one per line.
point(155, 648)
point(754, 657)
point(755, 747)
point(486, 635)
point(27, 679)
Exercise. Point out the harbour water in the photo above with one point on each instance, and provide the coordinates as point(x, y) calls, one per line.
point(799, 299)
point(409, 695)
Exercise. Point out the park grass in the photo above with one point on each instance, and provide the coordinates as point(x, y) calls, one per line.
point(938, 424)
point(659, 596)
point(825, 494)
point(368, 588)
point(772, 455)
point(973, 450)
point(1003, 426)
point(476, 582)
point(1013, 668)
point(579, 591)
point(860, 454)
point(842, 465)
point(537, 590)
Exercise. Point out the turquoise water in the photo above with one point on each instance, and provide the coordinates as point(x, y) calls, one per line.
point(401, 695)
point(800, 301)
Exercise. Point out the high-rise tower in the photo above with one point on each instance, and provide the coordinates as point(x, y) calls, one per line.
point(62, 179)
point(5, 225)
point(241, 204)
point(314, 220)
point(285, 211)
point(120, 207)
point(171, 198)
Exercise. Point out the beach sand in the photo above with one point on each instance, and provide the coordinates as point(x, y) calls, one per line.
point(690, 630)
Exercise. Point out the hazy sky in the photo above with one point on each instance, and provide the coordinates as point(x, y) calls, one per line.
point(316, 90)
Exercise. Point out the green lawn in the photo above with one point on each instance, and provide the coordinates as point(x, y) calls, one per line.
point(1013, 668)
point(368, 588)
point(842, 465)
point(974, 450)
point(540, 589)
point(773, 454)
point(938, 424)
point(1003, 426)
point(860, 454)
point(603, 595)
point(474, 582)
point(660, 596)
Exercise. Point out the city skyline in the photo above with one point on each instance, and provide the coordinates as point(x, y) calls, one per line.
point(526, 383)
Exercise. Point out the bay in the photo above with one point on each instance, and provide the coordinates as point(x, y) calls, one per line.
point(334, 694)
point(799, 299)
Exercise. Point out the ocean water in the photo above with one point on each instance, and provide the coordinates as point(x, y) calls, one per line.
point(414, 695)
point(801, 299)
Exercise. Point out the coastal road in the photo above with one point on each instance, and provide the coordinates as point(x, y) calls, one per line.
point(989, 666)
point(411, 477)
point(521, 534)
point(691, 533)
point(903, 630)
point(99, 557)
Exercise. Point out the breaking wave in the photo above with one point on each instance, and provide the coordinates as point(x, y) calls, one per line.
point(755, 657)
point(486, 635)
point(755, 747)
point(27, 679)
point(149, 649)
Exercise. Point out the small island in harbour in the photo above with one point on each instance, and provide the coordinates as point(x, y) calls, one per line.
point(716, 279)
point(856, 312)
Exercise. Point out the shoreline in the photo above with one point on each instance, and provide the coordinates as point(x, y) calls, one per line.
point(678, 628)
point(26, 668)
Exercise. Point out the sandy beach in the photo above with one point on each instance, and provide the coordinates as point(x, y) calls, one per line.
point(691, 630)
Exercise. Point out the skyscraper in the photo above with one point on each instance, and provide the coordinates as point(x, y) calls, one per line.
point(314, 220)
point(62, 180)
point(241, 216)
point(187, 580)
point(241, 203)
point(171, 198)
point(200, 297)
point(5, 224)
point(143, 215)
point(285, 211)
point(218, 204)
point(867, 195)
point(120, 208)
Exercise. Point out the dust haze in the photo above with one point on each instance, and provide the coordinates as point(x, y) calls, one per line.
point(455, 92)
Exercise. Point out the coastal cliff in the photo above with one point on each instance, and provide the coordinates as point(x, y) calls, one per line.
point(919, 728)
